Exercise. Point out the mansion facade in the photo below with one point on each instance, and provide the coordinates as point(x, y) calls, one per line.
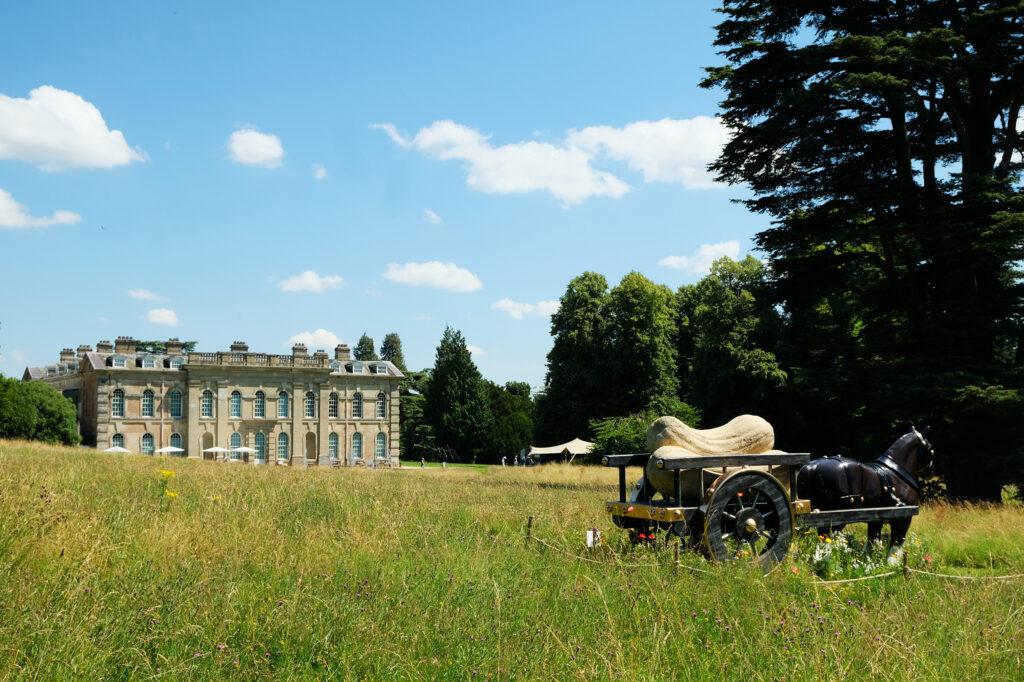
point(298, 408)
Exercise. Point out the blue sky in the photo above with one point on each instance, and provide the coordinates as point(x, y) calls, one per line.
point(266, 173)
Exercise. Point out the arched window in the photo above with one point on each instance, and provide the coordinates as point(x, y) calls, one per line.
point(357, 445)
point(206, 404)
point(381, 448)
point(259, 406)
point(147, 444)
point(236, 404)
point(382, 406)
point(332, 446)
point(260, 445)
point(282, 446)
point(282, 405)
point(147, 403)
point(357, 406)
point(117, 441)
point(310, 405)
point(176, 441)
point(332, 406)
point(236, 442)
point(117, 403)
point(174, 398)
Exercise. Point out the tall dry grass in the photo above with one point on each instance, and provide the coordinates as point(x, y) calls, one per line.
point(425, 574)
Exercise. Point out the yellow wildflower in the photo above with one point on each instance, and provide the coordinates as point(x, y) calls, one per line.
point(170, 494)
point(166, 474)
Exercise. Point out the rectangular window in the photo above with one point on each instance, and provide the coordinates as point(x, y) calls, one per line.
point(175, 404)
point(147, 403)
point(148, 362)
point(117, 404)
point(332, 406)
point(236, 404)
point(206, 404)
point(119, 362)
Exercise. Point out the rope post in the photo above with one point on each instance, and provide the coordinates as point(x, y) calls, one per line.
point(529, 528)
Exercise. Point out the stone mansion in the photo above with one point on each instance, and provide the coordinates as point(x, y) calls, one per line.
point(297, 409)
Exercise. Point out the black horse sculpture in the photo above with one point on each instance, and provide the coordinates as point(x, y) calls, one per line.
point(889, 481)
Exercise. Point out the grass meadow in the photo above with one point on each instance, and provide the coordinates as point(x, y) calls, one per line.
point(125, 567)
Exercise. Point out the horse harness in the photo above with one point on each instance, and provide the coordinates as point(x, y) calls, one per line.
point(884, 467)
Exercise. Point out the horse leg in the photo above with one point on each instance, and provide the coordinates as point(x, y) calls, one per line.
point(898, 531)
point(874, 531)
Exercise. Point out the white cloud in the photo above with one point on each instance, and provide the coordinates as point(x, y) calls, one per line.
point(700, 262)
point(163, 316)
point(474, 350)
point(13, 214)
point(145, 295)
point(517, 310)
point(392, 132)
point(18, 355)
point(529, 166)
point(56, 129)
point(250, 146)
point(310, 281)
point(321, 338)
point(319, 172)
point(432, 217)
point(669, 150)
point(435, 274)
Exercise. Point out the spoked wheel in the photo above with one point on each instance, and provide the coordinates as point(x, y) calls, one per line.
point(748, 517)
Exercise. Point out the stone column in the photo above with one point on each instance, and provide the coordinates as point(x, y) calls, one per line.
point(191, 399)
point(323, 423)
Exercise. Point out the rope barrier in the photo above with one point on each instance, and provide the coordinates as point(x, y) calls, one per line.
point(905, 569)
point(853, 580)
point(968, 577)
point(607, 563)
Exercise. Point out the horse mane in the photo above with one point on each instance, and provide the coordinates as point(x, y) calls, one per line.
point(901, 444)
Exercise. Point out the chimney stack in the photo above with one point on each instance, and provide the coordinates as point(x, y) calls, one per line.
point(104, 347)
point(341, 352)
point(124, 344)
point(82, 350)
point(299, 349)
point(67, 355)
point(239, 347)
point(173, 346)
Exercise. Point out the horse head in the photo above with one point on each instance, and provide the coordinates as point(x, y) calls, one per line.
point(925, 452)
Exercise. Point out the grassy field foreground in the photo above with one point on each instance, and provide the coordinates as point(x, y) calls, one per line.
point(122, 566)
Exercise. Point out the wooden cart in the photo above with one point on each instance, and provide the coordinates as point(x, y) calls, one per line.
point(743, 513)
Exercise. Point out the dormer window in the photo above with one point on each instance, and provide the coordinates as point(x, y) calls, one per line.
point(119, 361)
point(335, 366)
point(357, 368)
point(381, 369)
point(175, 363)
point(148, 362)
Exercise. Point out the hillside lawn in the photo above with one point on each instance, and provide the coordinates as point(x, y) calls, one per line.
point(121, 566)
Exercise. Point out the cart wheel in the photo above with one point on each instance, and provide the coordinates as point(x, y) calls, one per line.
point(748, 516)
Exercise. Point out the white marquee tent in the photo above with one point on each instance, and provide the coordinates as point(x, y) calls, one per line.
point(568, 451)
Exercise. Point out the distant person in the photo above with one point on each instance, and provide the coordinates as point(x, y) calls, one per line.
point(503, 461)
point(444, 464)
point(423, 462)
